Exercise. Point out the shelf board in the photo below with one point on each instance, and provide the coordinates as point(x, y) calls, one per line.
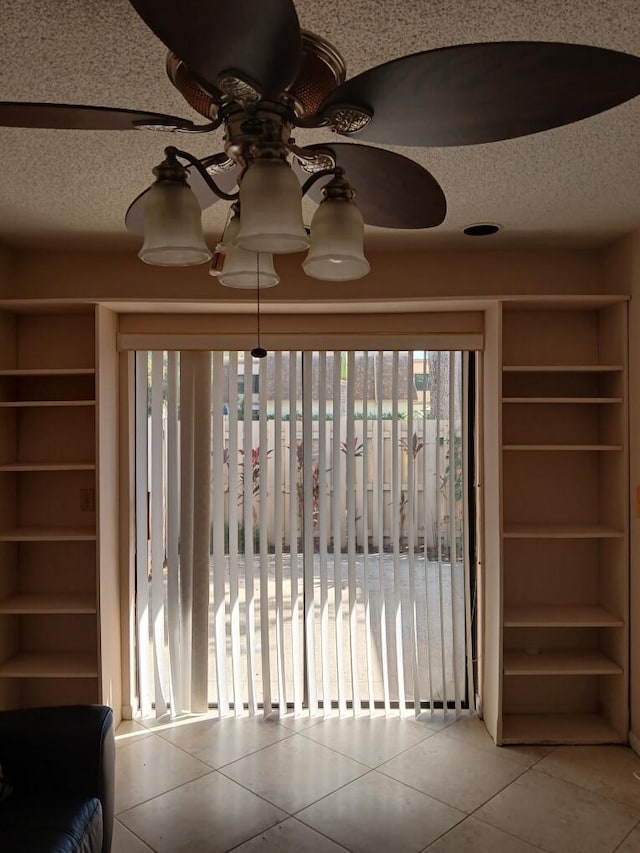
point(42, 603)
point(559, 662)
point(558, 729)
point(48, 466)
point(50, 665)
point(559, 616)
point(44, 404)
point(48, 534)
point(564, 400)
point(560, 531)
point(48, 371)
point(571, 447)
point(562, 368)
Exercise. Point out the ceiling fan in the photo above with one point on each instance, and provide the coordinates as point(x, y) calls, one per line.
point(248, 67)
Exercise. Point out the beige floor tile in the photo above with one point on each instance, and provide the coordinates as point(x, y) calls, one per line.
point(376, 813)
point(290, 836)
point(300, 722)
point(222, 741)
point(295, 772)
point(558, 816)
point(473, 836)
point(452, 771)
point(369, 740)
point(631, 844)
point(125, 841)
point(473, 731)
point(438, 720)
point(150, 767)
point(605, 770)
point(130, 731)
point(208, 815)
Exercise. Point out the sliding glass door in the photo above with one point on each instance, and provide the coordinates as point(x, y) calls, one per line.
point(301, 536)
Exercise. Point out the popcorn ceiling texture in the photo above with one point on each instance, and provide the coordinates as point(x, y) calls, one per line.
point(575, 186)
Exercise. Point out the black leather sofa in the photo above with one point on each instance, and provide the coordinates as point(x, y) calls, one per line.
point(59, 763)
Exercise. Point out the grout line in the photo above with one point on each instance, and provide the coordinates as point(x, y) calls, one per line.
point(446, 832)
point(603, 794)
point(255, 751)
point(290, 817)
point(233, 761)
point(313, 802)
point(328, 794)
point(135, 834)
point(162, 793)
point(374, 766)
point(631, 831)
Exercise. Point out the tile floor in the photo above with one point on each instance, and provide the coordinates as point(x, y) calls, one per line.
point(365, 785)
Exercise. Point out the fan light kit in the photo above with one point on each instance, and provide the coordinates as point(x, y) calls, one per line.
point(267, 76)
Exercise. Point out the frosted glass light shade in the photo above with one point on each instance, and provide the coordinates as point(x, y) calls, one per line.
point(173, 227)
point(271, 204)
point(240, 267)
point(337, 235)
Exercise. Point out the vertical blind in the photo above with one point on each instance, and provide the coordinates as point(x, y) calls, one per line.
point(301, 532)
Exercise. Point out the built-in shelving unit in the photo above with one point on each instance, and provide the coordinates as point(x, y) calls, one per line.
point(560, 595)
point(50, 610)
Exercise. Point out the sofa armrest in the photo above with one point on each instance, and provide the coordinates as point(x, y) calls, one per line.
point(67, 748)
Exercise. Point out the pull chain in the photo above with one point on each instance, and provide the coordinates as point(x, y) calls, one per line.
point(258, 351)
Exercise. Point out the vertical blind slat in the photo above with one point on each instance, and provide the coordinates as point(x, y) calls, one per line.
point(380, 493)
point(142, 531)
point(323, 532)
point(187, 392)
point(247, 520)
point(396, 504)
point(201, 532)
point(296, 655)
point(453, 557)
point(350, 480)
point(217, 485)
point(429, 501)
point(231, 458)
point(278, 523)
point(467, 476)
point(307, 519)
point(173, 535)
point(265, 615)
point(336, 521)
point(157, 534)
point(411, 455)
point(440, 499)
point(365, 532)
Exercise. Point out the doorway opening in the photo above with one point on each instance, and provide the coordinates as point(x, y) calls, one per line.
point(303, 533)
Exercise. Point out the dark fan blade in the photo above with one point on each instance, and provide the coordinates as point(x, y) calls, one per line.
point(226, 179)
point(473, 93)
point(391, 191)
point(75, 117)
point(259, 40)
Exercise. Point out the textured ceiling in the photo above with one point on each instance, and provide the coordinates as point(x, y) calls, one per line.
point(574, 186)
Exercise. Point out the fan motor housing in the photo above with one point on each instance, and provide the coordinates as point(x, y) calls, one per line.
point(322, 69)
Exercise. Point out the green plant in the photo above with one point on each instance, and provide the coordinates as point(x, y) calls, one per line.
point(315, 487)
point(356, 450)
point(414, 447)
point(255, 470)
point(457, 467)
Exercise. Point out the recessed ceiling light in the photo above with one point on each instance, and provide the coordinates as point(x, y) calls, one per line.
point(482, 229)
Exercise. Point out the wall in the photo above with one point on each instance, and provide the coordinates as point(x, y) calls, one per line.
point(475, 273)
point(621, 269)
point(121, 276)
point(5, 265)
